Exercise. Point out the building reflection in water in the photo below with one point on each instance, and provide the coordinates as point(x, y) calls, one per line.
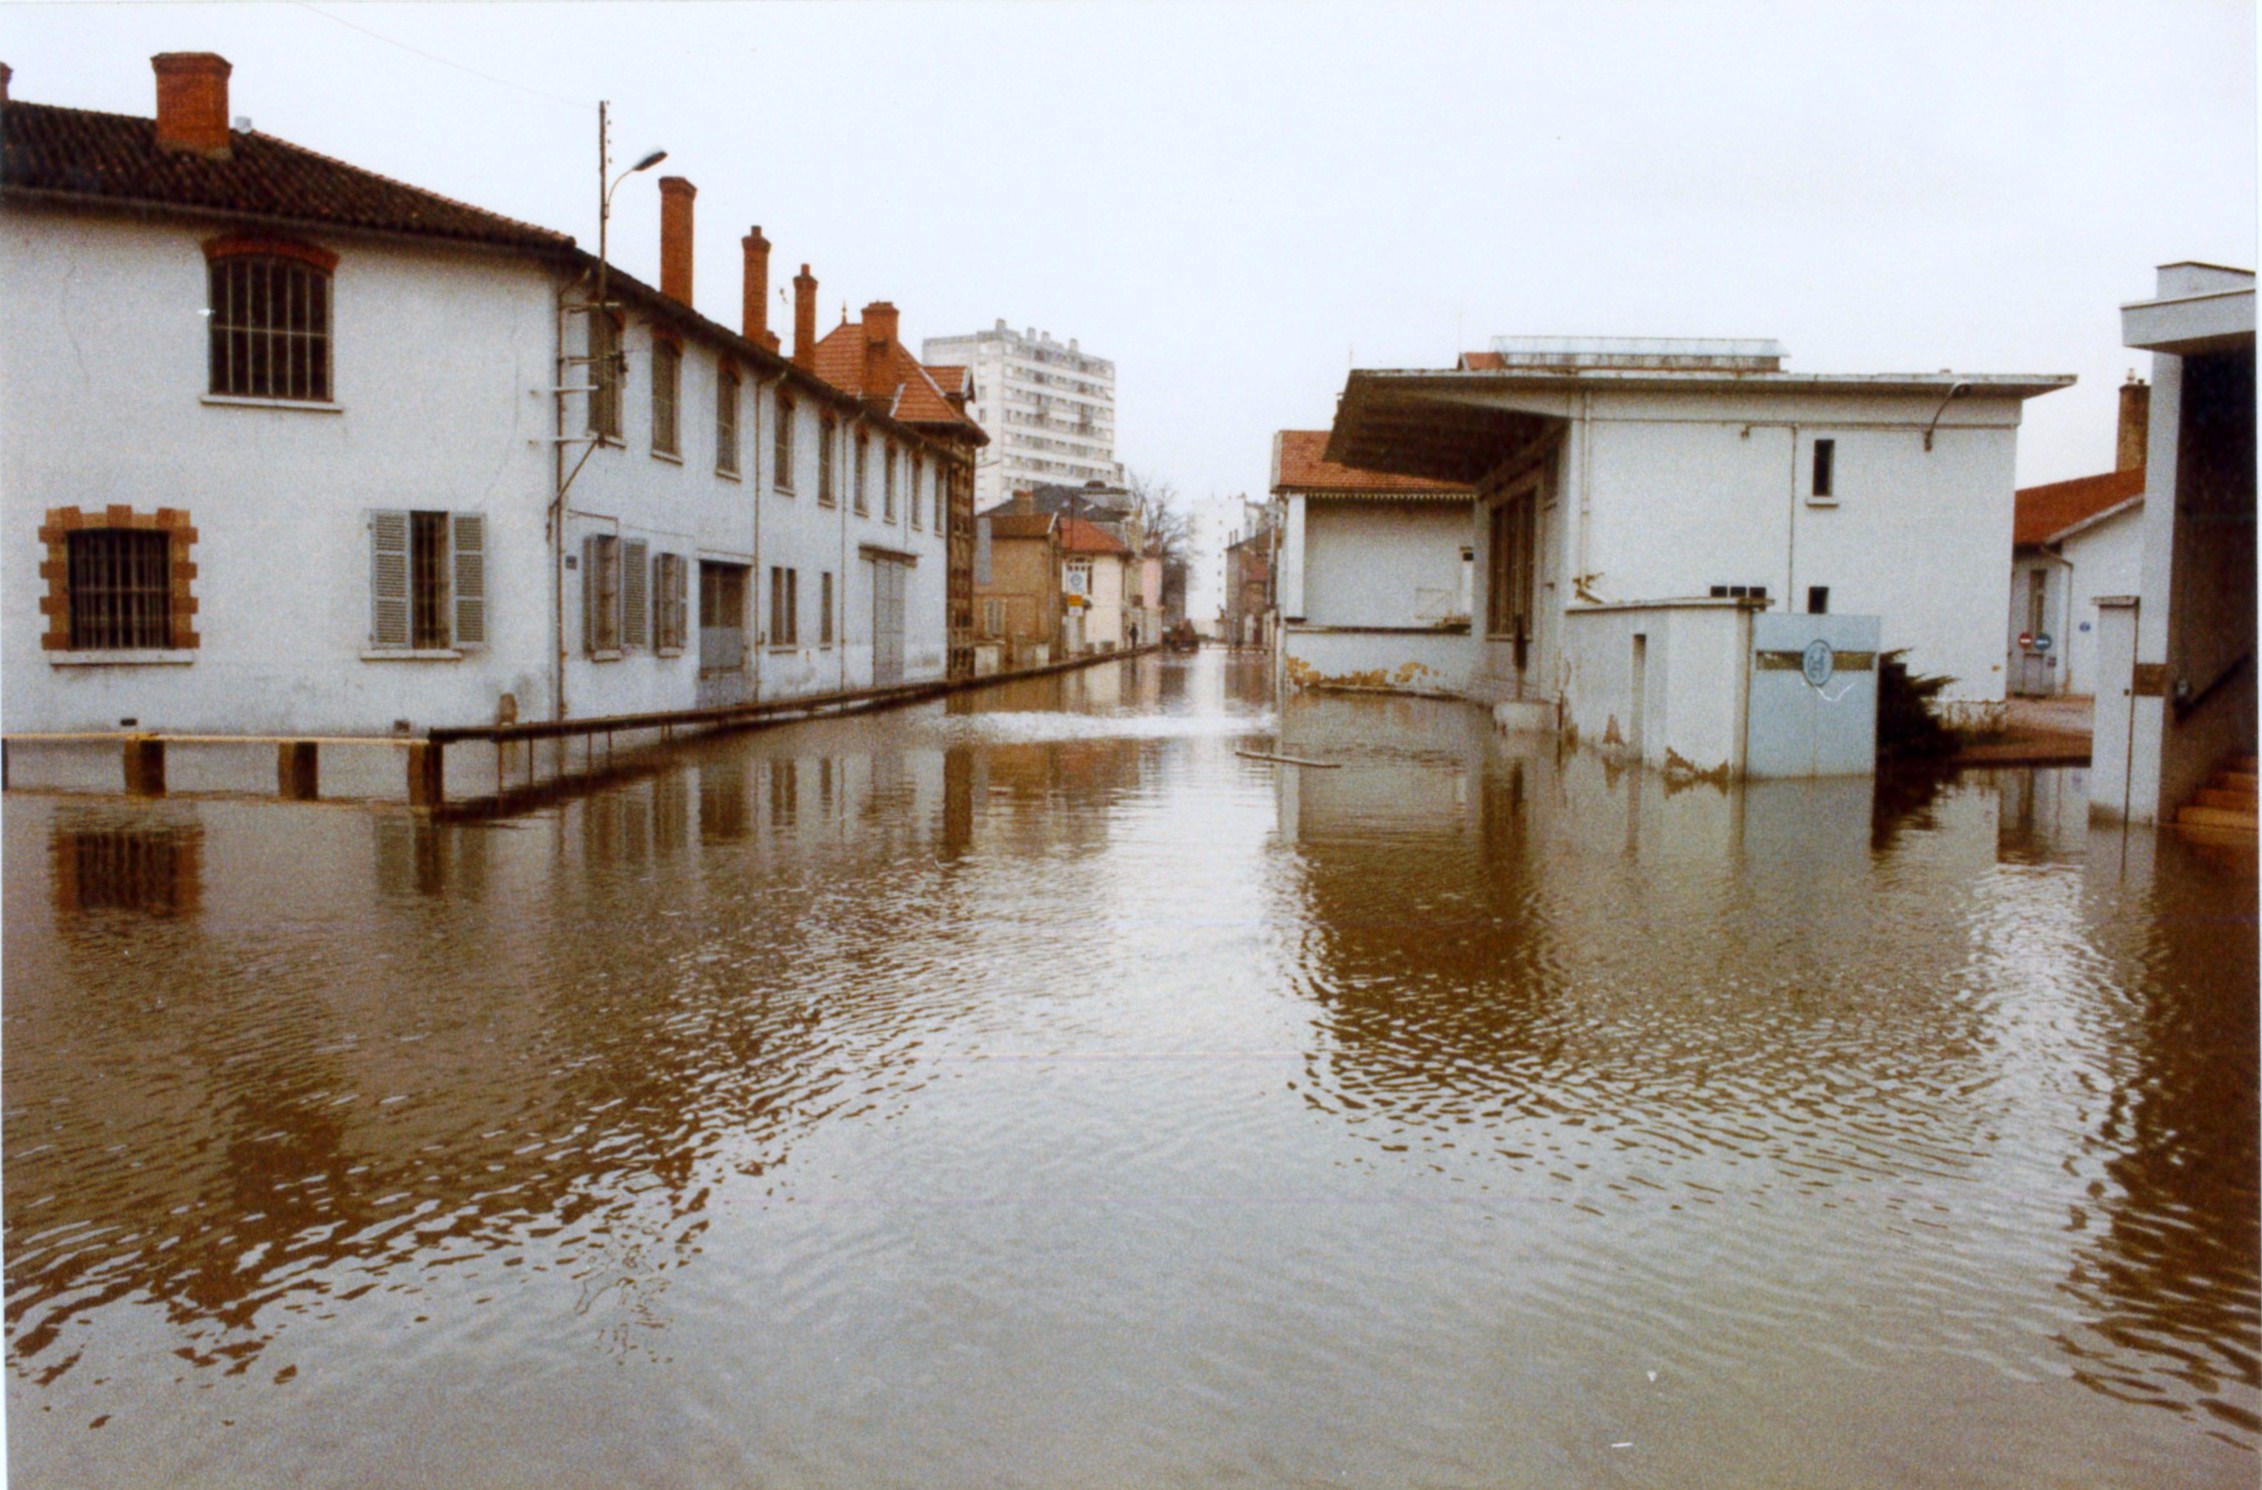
point(98, 862)
point(2168, 1266)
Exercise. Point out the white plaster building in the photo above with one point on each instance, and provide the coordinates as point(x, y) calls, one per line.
point(2175, 658)
point(2075, 542)
point(1377, 573)
point(1047, 406)
point(1682, 479)
point(324, 456)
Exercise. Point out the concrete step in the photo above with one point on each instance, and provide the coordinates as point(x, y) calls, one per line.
point(2232, 848)
point(2235, 781)
point(2216, 817)
point(2223, 796)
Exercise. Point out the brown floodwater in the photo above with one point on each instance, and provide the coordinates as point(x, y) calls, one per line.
point(1028, 1090)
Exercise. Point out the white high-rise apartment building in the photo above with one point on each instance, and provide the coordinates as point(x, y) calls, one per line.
point(1048, 408)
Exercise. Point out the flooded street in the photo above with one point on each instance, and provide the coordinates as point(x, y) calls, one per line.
point(1025, 1089)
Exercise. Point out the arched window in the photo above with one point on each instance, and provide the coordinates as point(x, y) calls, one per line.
point(268, 318)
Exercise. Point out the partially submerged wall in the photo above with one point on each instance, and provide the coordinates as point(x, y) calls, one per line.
point(1421, 661)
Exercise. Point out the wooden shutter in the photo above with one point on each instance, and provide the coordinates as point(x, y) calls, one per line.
point(635, 593)
point(678, 606)
point(388, 579)
point(470, 533)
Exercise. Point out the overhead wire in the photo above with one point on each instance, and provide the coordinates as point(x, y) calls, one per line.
point(443, 61)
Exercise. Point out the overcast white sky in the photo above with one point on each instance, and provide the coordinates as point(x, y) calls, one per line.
point(1237, 203)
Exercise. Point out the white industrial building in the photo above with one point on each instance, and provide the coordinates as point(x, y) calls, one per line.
point(1047, 406)
point(292, 447)
point(1665, 531)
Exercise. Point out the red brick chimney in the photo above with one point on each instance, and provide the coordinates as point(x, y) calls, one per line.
point(676, 195)
point(192, 103)
point(879, 349)
point(754, 319)
point(2136, 417)
point(804, 318)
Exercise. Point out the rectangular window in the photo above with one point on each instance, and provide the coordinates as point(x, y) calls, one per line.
point(782, 459)
point(918, 474)
point(1825, 457)
point(1739, 592)
point(600, 593)
point(1508, 608)
point(785, 627)
point(428, 580)
point(121, 589)
point(1818, 600)
point(726, 421)
point(943, 480)
point(825, 610)
point(268, 328)
point(863, 473)
point(828, 435)
point(667, 383)
point(2037, 591)
point(607, 370)
point(993, 617)
point(887, 485)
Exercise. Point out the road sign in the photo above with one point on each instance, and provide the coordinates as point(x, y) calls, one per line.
point(1817, 663)
point(2026, 641)
point(2042, 641)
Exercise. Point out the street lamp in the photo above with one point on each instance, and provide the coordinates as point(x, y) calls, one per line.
point(605, 216)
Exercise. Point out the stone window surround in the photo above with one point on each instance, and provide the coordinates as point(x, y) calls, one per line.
point(55, 569)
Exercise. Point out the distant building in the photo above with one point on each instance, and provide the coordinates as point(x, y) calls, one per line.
point(2072, 542)
point(2175, 658)
point(1247, 617)
point(1048, 408)
point(1097, 581)
point(1017, 589)
point(1376, 571)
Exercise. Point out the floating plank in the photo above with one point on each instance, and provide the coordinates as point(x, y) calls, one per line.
point(1288, 760)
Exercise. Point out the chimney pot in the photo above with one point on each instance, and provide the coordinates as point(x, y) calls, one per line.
point(2136, 417)
point(755, 314)
point(676, 195)
point(804, 318)
point(192, 103)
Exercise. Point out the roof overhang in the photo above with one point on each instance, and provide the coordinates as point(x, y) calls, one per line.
point(2187, 325)
point(1429, 425)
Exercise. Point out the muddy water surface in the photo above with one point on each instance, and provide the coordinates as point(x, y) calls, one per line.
point(1029, 1090)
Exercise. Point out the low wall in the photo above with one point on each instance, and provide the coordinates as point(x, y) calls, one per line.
point(1679, 703)
point(1414, 661)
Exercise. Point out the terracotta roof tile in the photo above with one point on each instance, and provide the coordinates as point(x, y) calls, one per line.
point(2044, 512)
point(1079, 536)
point(114, 158)
point(918, 398)
point(1018, 524)
point(949, 378)
point(1303, 467)
point(1482, 362)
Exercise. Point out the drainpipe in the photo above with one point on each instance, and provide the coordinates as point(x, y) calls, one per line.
point(754, 601)
point(1791, 531)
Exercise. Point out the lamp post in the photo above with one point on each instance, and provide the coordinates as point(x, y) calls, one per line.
point(605, 215)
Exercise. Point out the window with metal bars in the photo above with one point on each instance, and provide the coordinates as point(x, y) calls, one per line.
point(268, 331)
point(121, 589)
point(427, 580)
point(667, 381)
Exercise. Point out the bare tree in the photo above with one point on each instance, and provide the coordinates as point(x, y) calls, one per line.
point(1169, 529)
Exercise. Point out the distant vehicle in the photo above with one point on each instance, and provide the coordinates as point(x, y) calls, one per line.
point(1182, 637)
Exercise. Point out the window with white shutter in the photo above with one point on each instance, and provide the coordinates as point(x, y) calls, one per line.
point(388, 579)
point(470, 579)
point(668, 601)
point(635, 592)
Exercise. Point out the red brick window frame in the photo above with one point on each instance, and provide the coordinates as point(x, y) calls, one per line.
point(268, 316)
point(83, 631)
